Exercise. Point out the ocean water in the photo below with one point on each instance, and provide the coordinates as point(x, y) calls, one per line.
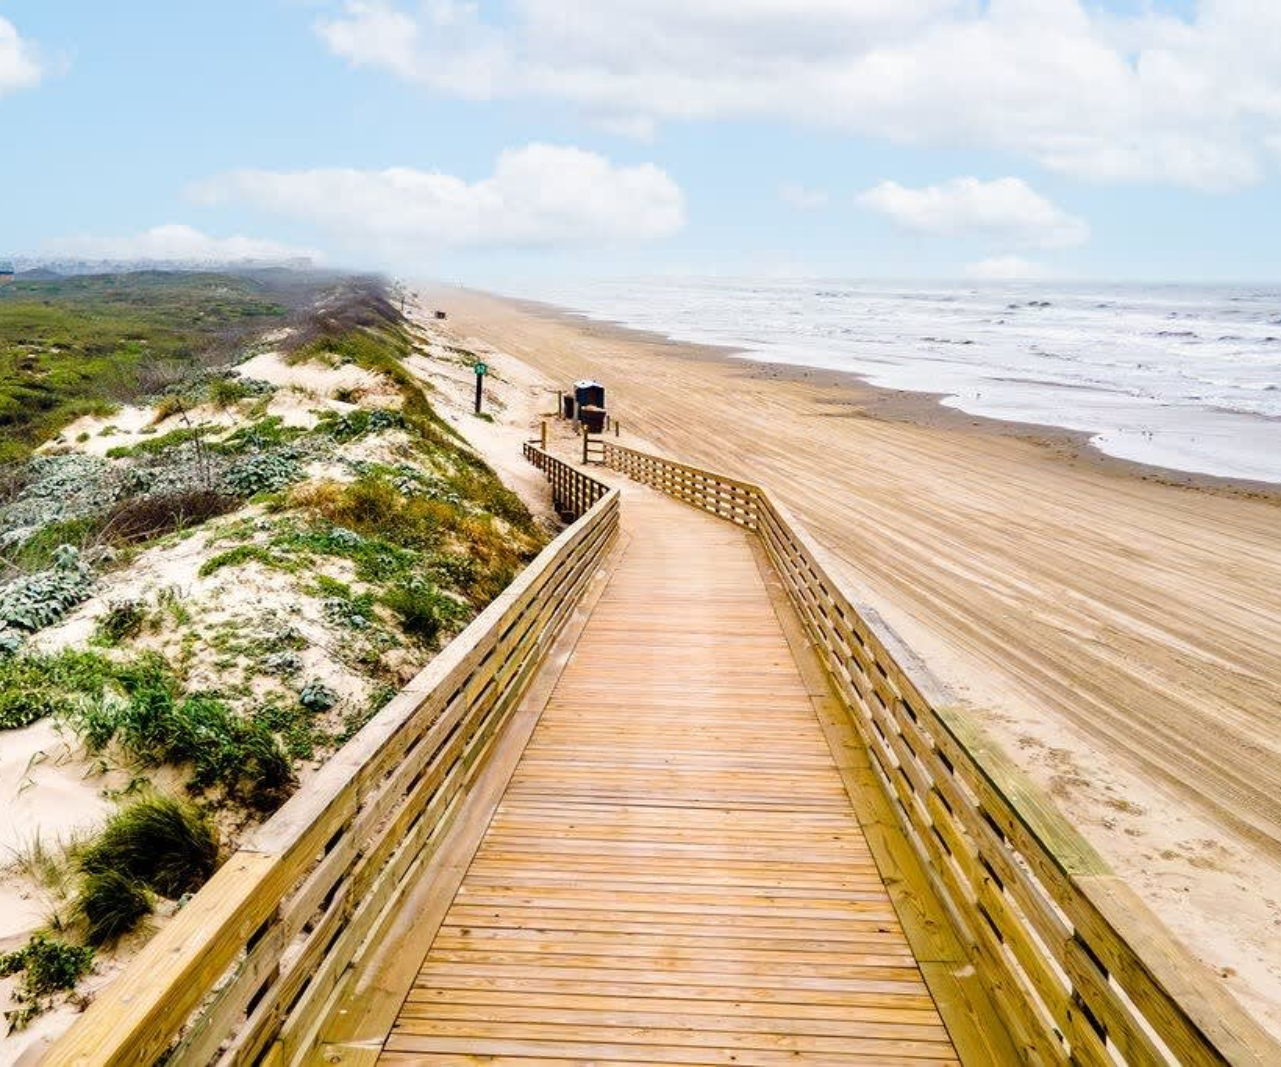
point(1186, 377)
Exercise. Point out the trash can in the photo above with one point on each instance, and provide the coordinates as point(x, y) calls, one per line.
point(593, 418)
point(589, 393)
point(568, 410)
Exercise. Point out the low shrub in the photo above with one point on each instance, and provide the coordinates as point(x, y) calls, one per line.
point(317, 697)
point(47, 966)
point(282, 663)
point(164, 844)
point(265, 472)
point(352, 424)
point(34, 601)
point(144, 517)
point(109, 905)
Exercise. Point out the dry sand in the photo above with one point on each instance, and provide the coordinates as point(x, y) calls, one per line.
point(1116, 627)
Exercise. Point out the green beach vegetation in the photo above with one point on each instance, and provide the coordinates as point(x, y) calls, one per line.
point(78, 345)
point(216, 596)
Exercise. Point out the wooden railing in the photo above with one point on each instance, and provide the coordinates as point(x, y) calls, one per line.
point(253, 964)
point(573, 491)
point(729, 499)
point(1079, 968)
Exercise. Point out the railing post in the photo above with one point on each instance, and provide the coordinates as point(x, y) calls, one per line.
point(542, 435)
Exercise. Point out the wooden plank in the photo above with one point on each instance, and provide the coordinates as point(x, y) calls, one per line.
point(676, 834)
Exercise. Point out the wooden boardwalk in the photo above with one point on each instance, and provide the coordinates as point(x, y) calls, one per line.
point(675, 873)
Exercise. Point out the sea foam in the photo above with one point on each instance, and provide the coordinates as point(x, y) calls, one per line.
point(1186, 377)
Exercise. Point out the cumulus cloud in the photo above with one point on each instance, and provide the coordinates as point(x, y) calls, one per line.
point(1145, 97)
point(804, 199)
point(1006, 269)
point(1006, 209)
point(539, 196)
point(19, 66)
point(174, 243)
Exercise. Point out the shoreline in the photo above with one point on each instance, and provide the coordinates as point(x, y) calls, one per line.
point(908, 406)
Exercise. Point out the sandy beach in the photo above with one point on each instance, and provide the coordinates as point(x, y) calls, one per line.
point(1116, 627)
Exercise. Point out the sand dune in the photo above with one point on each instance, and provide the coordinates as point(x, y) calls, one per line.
point(1117, 628)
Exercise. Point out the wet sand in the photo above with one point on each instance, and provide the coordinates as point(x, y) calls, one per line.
point(1116, 627)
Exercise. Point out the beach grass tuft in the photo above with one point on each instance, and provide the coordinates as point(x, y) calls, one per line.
point(109, 905)
point(165, 844)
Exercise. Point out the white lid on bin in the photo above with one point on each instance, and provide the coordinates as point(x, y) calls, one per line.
point(588, 383)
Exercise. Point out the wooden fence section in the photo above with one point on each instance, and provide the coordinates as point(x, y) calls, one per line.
point(247, 970)
point(1080, 969)
point(573, 492)
point(724, 497)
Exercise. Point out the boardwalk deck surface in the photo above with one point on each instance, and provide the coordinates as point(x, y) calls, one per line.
point(674, 873)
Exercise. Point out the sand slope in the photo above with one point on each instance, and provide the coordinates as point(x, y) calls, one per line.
point(1120, 636)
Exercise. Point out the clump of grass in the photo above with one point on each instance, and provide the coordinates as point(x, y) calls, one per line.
point(164, 844)
point(111, 904)
point(151, 721)
point(166, 407)
point(238, 557)
point(162, 443)
point(48, 966)
point(33, 686)
point(422, 610)
point(49, 865)
point(226, 392)
point(123, 619)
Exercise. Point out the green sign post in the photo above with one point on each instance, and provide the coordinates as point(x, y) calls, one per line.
point(481, 370)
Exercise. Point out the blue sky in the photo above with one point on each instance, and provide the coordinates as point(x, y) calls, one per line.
point(535, 138)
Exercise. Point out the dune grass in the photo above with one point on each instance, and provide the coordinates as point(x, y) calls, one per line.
point(111, 904)
point(164, 844)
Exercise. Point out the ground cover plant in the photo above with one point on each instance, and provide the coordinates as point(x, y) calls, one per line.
point(70, 346)
point(48, 966)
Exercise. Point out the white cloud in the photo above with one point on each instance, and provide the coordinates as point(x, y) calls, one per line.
point(1006, 269)
point(1147, 98)
point(173, 243)
point(19, 66)
point(804, 199)
point(539, 196)
point(1005, 209)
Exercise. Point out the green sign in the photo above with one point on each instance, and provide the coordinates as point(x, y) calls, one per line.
point(482, 368)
